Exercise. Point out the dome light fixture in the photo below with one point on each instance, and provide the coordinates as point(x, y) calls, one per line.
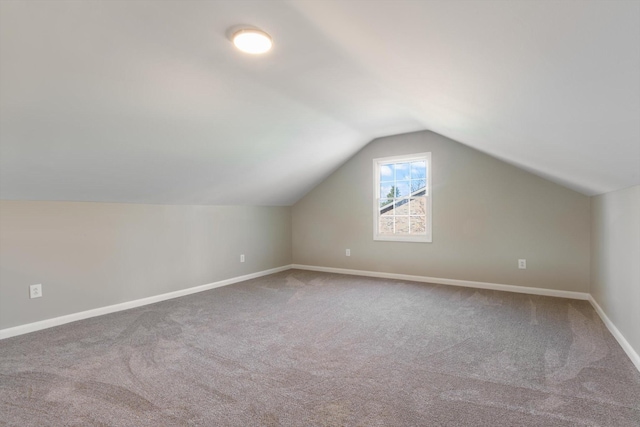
point(252, 40)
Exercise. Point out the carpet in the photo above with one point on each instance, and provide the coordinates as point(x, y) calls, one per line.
point(302, 348)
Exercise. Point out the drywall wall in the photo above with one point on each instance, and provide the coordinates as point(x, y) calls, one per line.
point(615, 259)
point(91, 255)
point(486, 215)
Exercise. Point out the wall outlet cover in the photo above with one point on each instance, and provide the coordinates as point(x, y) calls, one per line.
point(35, 291)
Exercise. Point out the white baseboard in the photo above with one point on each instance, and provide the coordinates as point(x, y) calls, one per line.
point(44, 324)
point(635, 358)
point(452, 282)
point(56, 321)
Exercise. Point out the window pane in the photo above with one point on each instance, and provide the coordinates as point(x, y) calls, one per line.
point(386, 172)
point(386, 207)
point(418, 206)
point(402, 207)
point(402, 225)
point(403, 188)
point(403, 171)
point(386, 225)
point(387, 190)
point(418, 225)
point(417, 185)
point(419, 170)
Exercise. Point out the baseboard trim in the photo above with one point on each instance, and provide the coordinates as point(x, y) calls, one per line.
point(633, 355)
point(635, 358)
point(452, 282)
point(57, 321)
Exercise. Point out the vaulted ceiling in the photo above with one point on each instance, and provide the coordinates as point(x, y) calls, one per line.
point(149, 102)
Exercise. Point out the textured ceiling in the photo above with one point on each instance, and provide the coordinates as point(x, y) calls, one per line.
point(148, 102)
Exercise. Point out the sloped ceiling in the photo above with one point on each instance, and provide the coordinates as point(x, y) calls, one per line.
point(148, 102)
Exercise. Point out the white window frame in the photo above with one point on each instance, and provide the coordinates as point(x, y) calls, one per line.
point(376, 207)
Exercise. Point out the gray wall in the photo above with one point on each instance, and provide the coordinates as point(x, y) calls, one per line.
point(486, 215)
point(615, 259)
point(90, 255)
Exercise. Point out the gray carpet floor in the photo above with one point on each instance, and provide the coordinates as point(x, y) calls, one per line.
point(302, 348)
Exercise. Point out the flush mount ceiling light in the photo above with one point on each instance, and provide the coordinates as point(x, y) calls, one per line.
point(252, 40)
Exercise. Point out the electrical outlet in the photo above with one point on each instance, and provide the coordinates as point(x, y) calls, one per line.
point(35, 291)
point(348, 253)
point(242, 258)
point(522, 264)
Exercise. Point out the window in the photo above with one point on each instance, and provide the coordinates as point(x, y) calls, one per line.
point(402, 198)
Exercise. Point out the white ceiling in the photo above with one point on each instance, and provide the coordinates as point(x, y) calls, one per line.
point(149, 102)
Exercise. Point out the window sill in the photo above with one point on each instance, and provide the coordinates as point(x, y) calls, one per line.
point(409, 239)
